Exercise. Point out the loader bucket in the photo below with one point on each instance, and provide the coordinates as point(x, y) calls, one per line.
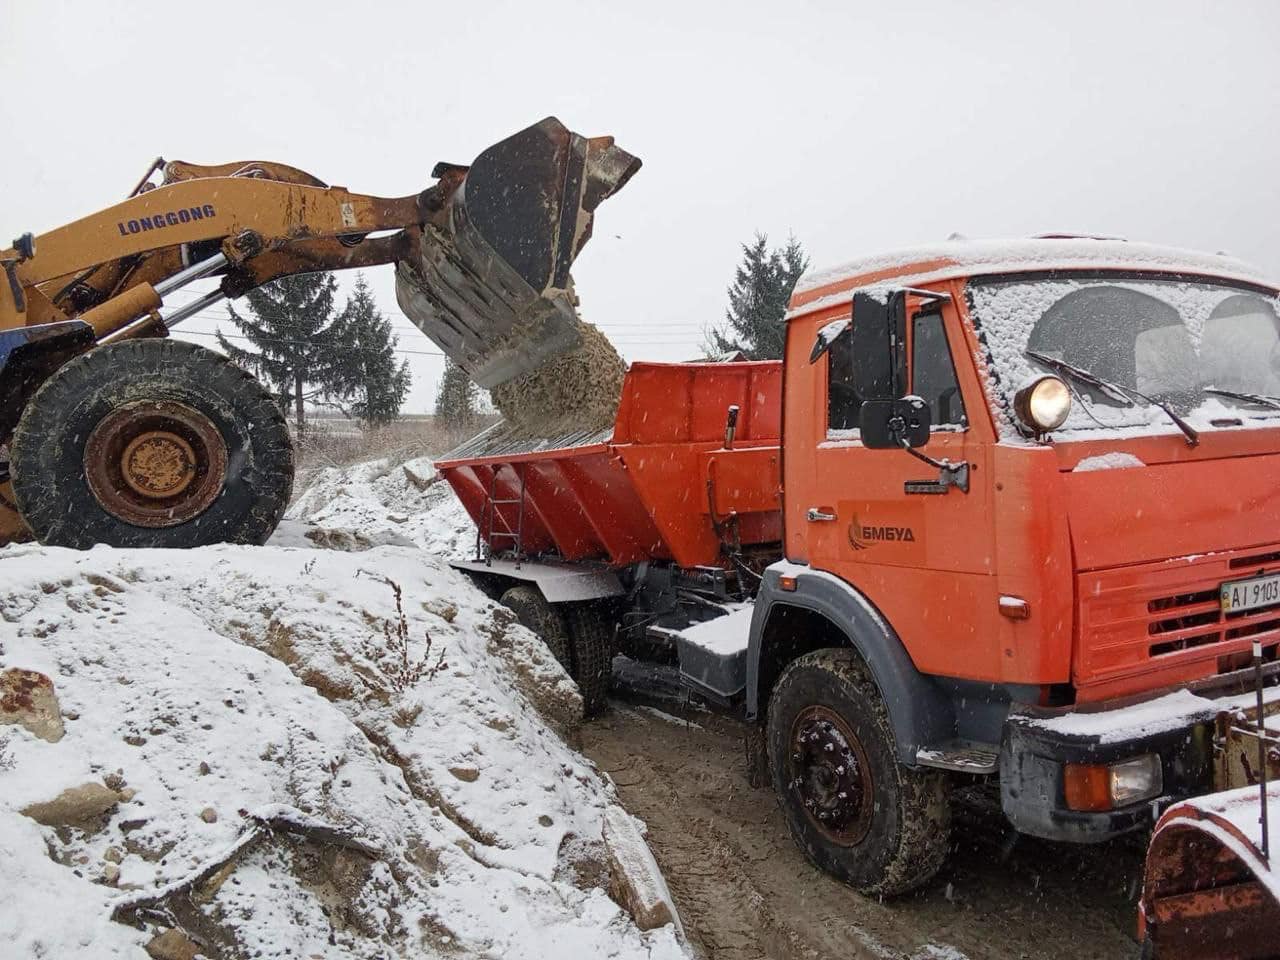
point(489, 282)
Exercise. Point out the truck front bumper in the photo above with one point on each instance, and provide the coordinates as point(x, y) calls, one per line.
point(1032, 779)
point(1178, 728)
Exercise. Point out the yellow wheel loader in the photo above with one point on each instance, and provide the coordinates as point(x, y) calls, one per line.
point(111, 433)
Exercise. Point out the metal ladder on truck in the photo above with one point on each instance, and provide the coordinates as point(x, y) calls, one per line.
point(495, 518)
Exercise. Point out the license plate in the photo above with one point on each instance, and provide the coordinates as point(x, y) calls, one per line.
point(1240, 595)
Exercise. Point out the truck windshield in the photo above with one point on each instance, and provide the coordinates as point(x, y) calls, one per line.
point(1209, 351)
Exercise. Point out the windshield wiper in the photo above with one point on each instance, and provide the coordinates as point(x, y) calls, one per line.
point(1258, 398)
point(1116, 391)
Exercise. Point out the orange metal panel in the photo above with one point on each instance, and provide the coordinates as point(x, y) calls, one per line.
point(744, 480)
point(645, 495)
point(1173, 509)
point(561, 511)
point(616, 513)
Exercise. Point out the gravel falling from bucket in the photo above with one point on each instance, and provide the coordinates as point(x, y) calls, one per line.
point(576, 391)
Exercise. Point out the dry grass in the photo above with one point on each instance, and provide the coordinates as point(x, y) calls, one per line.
point(398, 669)
point(331, 442)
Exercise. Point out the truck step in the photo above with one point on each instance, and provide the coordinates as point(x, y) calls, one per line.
point(713, 655)
point(961, 756)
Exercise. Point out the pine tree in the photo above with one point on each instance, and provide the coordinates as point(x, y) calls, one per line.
point(758, 300)
point(296, 339)
point(456, 399)
point(369, 385)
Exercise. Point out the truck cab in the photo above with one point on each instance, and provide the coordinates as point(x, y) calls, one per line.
point(1031, 526)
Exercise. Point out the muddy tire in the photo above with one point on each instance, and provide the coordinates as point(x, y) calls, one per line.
point(857, 812)
point(533, 611)
point(151, 443)
point(591, 642)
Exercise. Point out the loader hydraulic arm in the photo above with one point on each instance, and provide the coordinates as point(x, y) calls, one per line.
point(482, 255)
point(245, 217)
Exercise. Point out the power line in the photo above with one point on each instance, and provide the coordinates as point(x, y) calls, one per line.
point(303, 343)
point(603, 324)
point(624, 339)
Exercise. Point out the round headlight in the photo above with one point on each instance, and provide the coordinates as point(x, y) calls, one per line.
point(1043, 404)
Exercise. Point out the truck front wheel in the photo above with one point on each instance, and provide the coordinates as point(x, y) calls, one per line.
point(851, 806)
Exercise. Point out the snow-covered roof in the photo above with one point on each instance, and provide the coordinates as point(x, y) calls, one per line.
point(819, 289)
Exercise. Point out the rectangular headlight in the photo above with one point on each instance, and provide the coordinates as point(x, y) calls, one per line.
point(1136, 779)
point(1105, 786)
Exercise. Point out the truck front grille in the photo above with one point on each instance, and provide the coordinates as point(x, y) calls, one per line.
point(1167, 616)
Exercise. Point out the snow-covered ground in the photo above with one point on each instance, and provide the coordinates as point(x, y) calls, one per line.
point(384, 501)
point(279, 772)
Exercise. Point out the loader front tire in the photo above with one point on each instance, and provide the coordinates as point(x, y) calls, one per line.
point(855, 810)
point(151, 443)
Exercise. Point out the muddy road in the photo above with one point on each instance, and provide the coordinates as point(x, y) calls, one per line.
point(745, 891)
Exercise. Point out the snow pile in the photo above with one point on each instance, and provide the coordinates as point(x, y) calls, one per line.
point(384, 501)
point(1172, 711)
point(291, 768)
point(722, 636)
point(1108, 461)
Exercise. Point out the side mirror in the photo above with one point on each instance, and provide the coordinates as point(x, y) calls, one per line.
point(894, 423)
point(878, 347)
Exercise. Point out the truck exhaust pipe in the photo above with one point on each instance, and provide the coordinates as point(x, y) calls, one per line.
point(490, 283)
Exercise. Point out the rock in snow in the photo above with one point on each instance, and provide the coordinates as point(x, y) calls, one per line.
point(27, 699)
point(85, 807)
point(383, 786)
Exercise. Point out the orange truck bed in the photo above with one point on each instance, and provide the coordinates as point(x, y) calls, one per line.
point(661, 486)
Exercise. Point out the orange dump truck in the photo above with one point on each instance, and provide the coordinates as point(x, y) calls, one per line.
point(1006, 511)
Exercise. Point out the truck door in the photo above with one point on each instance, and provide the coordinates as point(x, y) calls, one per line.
point(922, 553)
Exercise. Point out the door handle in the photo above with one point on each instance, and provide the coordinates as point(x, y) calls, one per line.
point(813, 515)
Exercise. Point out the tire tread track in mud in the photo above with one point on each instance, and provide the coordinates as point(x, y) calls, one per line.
point(746, 892)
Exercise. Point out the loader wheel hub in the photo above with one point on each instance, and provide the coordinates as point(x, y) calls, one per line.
point(155, 463)
point(829, 772)
point(158, 464)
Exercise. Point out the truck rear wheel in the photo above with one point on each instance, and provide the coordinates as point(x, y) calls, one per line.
point(533, 611)
point(851, 806)
point(151, 443)
point(592, 644)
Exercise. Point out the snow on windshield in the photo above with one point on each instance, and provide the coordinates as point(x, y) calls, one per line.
point(1170, 339)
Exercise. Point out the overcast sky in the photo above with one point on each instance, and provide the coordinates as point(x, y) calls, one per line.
point(859, 127)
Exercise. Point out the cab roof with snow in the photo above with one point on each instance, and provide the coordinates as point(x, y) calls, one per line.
point(823, 289)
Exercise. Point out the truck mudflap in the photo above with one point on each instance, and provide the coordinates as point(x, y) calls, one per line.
point(489, 282)
point(1177, 729)
point(559, 582)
